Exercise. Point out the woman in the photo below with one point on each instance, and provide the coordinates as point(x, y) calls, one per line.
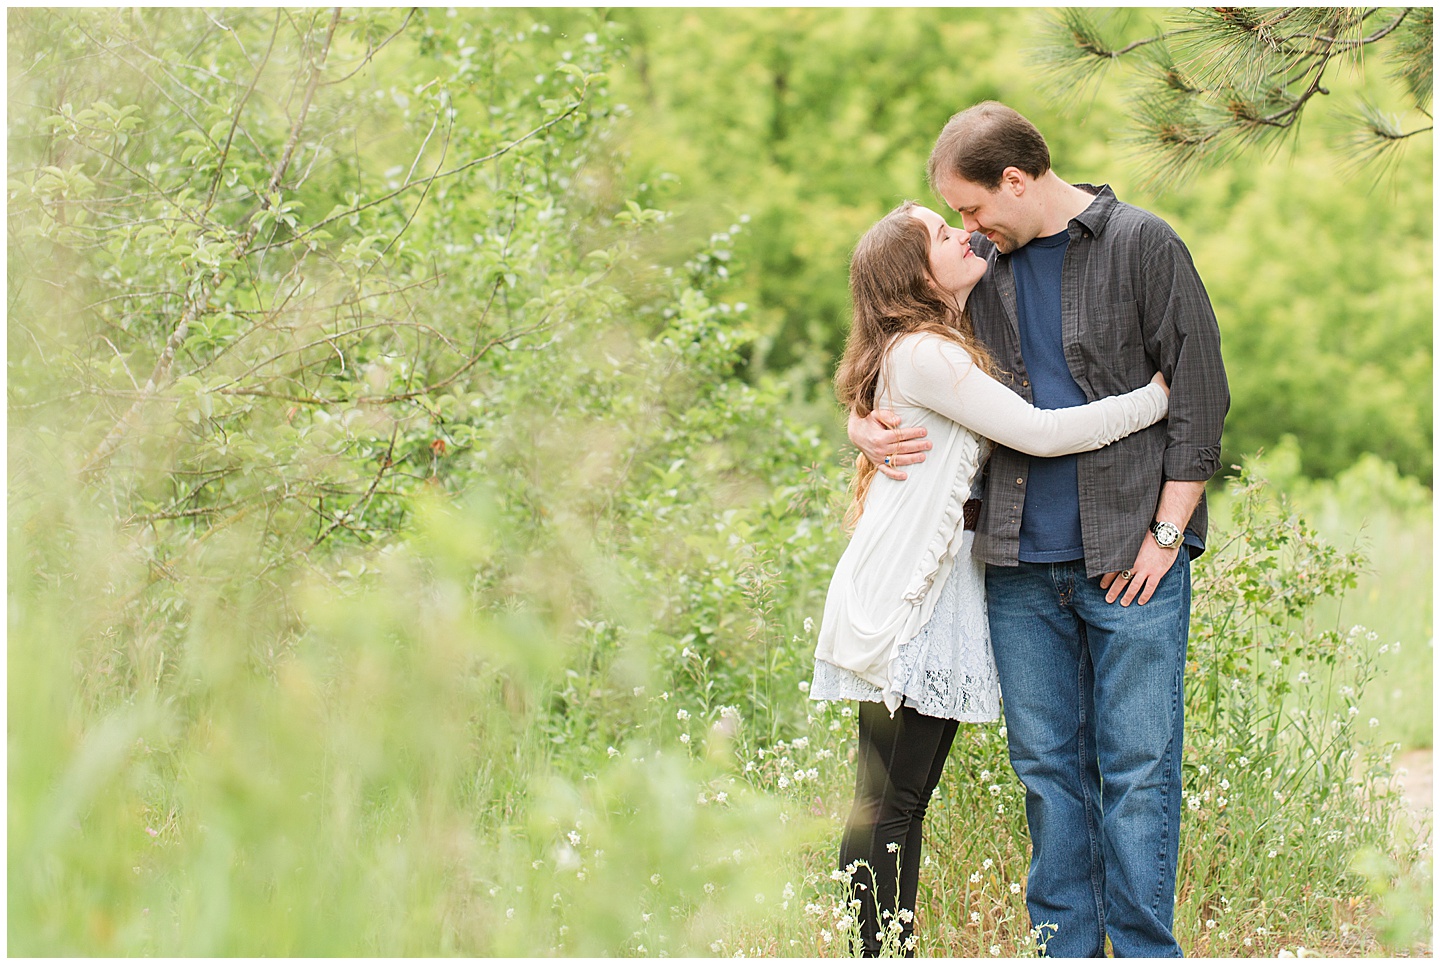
point(905, 630)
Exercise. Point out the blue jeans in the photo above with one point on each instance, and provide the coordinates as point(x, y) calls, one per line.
point(1094, 703)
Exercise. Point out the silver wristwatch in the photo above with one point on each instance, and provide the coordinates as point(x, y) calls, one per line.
point(1166, 534)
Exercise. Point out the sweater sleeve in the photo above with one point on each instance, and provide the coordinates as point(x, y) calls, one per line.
point(940, 375)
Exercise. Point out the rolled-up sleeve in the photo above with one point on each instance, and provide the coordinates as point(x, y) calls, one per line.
point(1185, 337)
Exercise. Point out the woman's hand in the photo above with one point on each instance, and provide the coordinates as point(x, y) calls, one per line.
point(1159, 380)
point(880, 437)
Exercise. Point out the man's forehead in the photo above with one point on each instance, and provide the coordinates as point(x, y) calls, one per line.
point(960, 193)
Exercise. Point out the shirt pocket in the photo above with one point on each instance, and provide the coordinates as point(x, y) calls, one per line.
point(1114, 347)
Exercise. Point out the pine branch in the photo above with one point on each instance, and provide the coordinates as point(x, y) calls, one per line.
point(1413, 55)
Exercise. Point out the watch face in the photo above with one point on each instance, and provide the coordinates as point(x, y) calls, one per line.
point(1166, 534)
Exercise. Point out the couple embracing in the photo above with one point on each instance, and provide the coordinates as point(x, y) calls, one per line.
point(1049, 374)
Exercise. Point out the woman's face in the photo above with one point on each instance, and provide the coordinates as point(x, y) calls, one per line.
point(954, 267)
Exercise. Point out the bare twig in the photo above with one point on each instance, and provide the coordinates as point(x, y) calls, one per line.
point(370, 52)
point(235, 121)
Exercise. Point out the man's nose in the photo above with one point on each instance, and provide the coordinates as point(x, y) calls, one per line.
point(968, 222)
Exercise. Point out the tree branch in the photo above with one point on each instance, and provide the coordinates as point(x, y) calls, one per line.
point(235, 122)
point(160, 376)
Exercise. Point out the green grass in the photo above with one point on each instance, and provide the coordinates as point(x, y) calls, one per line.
point(382, 768)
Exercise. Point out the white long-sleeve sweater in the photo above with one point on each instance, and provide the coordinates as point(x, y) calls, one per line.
point(889, 577)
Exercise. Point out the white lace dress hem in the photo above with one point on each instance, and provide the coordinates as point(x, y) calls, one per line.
point(946, 670)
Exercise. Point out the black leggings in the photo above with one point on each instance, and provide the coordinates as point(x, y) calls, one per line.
point(899, 765)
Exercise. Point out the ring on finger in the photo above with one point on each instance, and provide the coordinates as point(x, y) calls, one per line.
point(887, 460)
point(1126, 575)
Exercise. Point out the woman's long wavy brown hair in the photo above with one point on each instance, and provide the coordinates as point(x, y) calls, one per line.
point(892, 293)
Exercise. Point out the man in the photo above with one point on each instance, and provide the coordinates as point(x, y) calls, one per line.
point(1088, 556)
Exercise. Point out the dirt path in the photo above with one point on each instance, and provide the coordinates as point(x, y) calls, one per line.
point(1417, 785)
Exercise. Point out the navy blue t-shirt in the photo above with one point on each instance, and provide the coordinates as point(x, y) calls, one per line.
point(1050, 521)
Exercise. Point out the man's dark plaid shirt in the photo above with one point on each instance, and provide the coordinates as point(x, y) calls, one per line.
point(1130, 303)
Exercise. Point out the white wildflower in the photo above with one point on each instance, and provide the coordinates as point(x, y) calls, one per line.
point(809, 625)
point(682, 714)
point(684, 738)
point(1014, 887)
point(892, 847)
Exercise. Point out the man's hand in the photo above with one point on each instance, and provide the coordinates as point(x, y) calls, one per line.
point(1178, 499)
point(1150, 567)
point(880, 435)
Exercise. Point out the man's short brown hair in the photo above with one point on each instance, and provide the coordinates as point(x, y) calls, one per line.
point(980, 142)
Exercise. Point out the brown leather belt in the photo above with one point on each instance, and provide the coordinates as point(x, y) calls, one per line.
point(972, 513)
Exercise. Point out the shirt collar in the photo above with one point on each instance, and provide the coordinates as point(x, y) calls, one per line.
point(1095, 216)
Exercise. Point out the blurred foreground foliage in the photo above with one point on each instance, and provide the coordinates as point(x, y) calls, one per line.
point(398, 562)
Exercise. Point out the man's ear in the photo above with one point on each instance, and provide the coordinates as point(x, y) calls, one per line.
point(1014, 180)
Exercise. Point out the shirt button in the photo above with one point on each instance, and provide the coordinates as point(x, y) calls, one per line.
point(1024, 381)
point(1020, 482)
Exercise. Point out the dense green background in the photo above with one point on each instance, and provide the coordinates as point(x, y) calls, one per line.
point(815, 122)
